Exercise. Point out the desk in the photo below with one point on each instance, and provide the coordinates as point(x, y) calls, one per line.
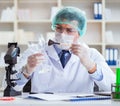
point(21, 101)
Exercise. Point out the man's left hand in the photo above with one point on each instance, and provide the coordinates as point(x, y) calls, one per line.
point(82, 51)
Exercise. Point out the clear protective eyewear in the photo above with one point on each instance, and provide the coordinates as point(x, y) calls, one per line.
point(70, 31)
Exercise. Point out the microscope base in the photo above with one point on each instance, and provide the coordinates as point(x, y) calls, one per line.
point(9, 91)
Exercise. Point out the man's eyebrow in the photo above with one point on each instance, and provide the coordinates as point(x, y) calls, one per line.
point(63, 27)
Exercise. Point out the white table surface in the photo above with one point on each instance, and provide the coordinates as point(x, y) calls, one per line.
point(22, 101)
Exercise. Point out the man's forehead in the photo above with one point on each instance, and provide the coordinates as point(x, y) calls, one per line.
point(65, 25)
point(71, 24)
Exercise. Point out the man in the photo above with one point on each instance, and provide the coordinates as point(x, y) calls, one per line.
point(73, 69)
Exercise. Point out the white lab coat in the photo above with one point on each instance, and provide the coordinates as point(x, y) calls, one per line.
point(73, 78)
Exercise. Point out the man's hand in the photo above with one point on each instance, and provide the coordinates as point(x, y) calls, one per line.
point(83, 53)
point(33, 61)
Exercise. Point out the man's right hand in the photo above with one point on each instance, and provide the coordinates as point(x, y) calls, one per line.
point(33, 61)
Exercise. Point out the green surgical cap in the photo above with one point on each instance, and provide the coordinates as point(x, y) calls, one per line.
point(72, 16)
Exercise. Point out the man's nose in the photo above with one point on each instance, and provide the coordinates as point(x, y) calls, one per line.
point(64, 32)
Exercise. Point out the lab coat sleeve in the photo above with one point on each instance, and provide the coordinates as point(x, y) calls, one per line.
point(97, 75)
point(105, 75)
point(22, 62)
point(21, 83)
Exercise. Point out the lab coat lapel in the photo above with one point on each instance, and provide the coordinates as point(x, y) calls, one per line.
point(54, 56)
point(72, 59)
point(52, 53)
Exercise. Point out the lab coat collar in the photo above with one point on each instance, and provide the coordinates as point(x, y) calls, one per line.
point(53, 54)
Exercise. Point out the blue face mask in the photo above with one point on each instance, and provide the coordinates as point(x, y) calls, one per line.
point(64, 40)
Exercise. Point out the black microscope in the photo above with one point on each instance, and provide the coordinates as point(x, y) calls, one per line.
point(11, 59)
